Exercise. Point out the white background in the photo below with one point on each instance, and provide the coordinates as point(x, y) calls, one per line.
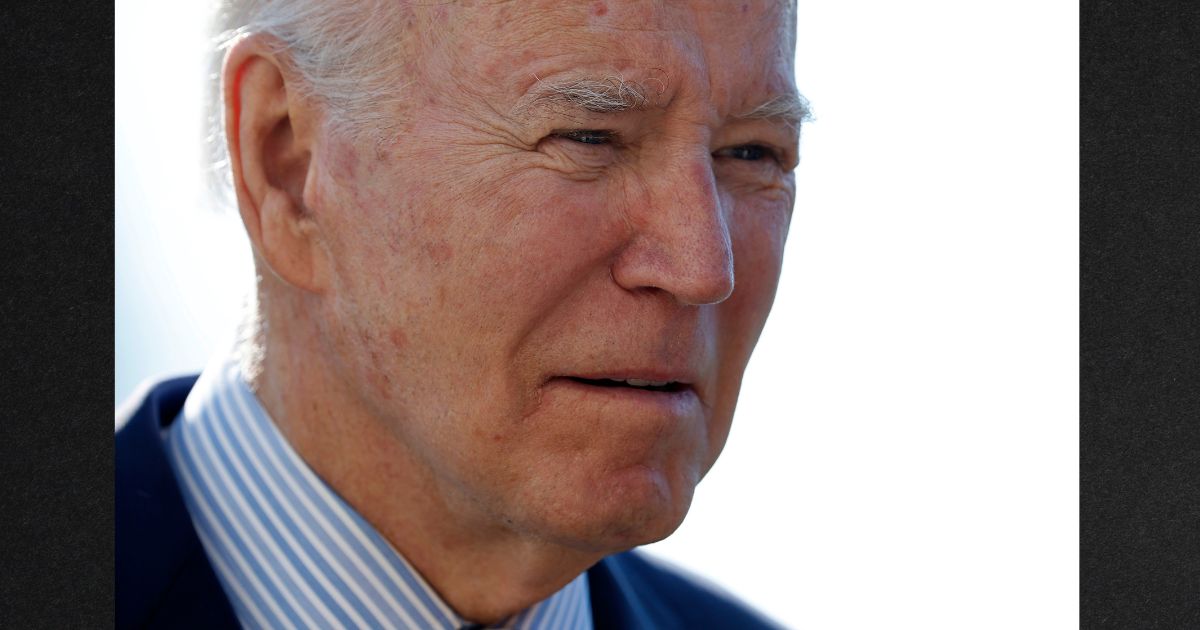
point(905, 452)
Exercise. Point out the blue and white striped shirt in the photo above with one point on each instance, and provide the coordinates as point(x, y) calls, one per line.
point(289, 552)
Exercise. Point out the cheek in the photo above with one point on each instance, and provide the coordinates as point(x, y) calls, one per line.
point(535, 239)
point(367, 311)
point(758, 234)
point(454, 278)
point(388, 243)
point(758, 230)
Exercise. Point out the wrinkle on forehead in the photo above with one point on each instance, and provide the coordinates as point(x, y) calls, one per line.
point(630, 56)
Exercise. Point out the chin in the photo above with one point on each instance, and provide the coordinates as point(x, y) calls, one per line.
point(611, 513)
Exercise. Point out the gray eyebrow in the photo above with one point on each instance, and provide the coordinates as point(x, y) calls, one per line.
point(612, 94)
point(791, 108)
point(609, 95)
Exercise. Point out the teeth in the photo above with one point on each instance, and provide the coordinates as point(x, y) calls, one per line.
point(637, 382)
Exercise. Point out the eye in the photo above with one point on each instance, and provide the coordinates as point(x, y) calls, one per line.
point(747, 152)
point(587, 136)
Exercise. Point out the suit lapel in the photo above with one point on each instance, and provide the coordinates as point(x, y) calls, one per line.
point(163, 575)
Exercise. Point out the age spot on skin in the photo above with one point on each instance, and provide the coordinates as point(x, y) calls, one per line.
point(398, 338)
point(440, 253)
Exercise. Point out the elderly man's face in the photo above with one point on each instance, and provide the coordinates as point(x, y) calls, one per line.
point(551, 308)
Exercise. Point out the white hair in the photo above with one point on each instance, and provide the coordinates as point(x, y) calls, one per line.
point(608, 95)
point(345, 55)
point(339, 52)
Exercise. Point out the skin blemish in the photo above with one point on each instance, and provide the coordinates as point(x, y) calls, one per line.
point(378, 378)
point(599, 8)
point(440, 252)
point(398, 338)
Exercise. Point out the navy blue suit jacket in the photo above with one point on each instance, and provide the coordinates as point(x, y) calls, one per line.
point(164, 579)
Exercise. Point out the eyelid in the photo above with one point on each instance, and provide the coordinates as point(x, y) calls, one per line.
point(768, 150)
point(605, 135)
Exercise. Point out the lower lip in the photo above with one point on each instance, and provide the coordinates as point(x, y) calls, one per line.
point(625, 400)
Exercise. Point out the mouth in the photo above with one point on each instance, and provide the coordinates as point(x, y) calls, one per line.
point(632, 383)
point(621, 396)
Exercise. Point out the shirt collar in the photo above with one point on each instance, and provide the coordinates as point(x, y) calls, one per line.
point(286, 548)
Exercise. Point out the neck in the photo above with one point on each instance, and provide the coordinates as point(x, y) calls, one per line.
point(483, 570)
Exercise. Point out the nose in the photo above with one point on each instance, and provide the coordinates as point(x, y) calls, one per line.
point(681, 242)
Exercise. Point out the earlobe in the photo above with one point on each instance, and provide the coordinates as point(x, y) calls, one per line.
point(290, 242)
point(268, 128)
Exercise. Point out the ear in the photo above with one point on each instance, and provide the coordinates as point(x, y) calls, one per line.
point(269, 133)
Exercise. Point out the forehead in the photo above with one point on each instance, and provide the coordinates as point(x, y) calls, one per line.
point(726, 53)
